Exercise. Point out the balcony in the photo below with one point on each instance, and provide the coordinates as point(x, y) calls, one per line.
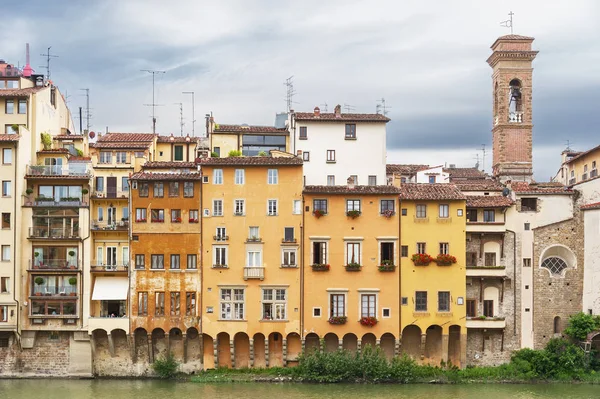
point(54, 264)
point(254, 239)
point(99, 267)
point(51, 233)
point(572, 181)
point(486, 271)
point(108, 324)
point(289, 240)
point(70, 171)
point(254, 273)
point(289, 266)
point(483, 322)
point(112, 162)
point(110, 193)
point(52, 202)
point(221, 238)
point(486, 227)
point(110, 226)
point(62, 290)
point(515, 117)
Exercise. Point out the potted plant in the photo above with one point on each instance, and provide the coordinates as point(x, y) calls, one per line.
point(193, 220)
point(38, 281)
point(46, 140)
point(445, 260)
point(29, 191)
point(387, 266)
point(320, 267)
point(338, 320)
point(84, 192)
point(388, 213)
point(353, 267)
point(15, 127)
point(368, 321)
point(318, 213)
point(421, 259)
point(353, 214)
point(73, 282)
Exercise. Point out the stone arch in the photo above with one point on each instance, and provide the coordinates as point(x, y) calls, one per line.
point(194, 347)
point(557, 259)
point(176, 343)
point(159, 344)
point(368, 339)
point(260, 355)
point(492, 293)
point(332, 342)
point(241, 350)
point(223, 350)
point(101, 346)
point(411, 341)
point(454, 345)
point(491, 245)
point(140, 345)
point(557, 325)
point(433, 344)
point(311, 343)
point(208, 352)
point(596, 344)
point(275, 350)
point(294, 348)
point(120, 343)
point(388, 345)
point(350, 342)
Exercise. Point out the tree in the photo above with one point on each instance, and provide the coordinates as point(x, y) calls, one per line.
point(581, 324)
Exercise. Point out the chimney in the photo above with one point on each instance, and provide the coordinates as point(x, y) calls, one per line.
point(351, 183)
point(317, 112)
point(27, 71)
point(338, 111)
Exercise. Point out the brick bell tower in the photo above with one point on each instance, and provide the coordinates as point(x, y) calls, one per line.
point(511, 61)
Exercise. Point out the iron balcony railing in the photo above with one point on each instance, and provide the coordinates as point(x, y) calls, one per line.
point(54, 233)
point(112, 225)
point(43, 290)
point(54, 264)
point(75, 169)
point(98, 266)
point(51, 202)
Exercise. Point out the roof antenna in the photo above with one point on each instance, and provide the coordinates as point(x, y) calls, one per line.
point(509, 22)
point(381, 107)
point(324, 106)
point(48, 56)
point(483, 161)
point(180, 118)
point(348, 108)
point(153, 105)
point(290, 92)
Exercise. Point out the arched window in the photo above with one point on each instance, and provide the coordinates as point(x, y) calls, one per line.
point(557, 325)
point(515, 104)
point(556, 259)
point(555, 265)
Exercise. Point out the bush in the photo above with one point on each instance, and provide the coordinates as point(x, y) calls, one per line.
point(167, 367)
point(46, 140)
point(581, 324)
point(234, 153)
point(214, 154)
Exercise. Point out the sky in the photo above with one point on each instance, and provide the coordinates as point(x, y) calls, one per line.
point(425, 58)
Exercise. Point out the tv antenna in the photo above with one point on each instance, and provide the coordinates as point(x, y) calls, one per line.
point(381, 107)
point(348, 108)
point(153, 105)
point(324, 106)
point(483, 161)
point(48, 56)
point(290, 92)
point(193, 114)
point(569, 146)
point(180, 118)
point(88, 115)
point(476, 157)
point(509, 22)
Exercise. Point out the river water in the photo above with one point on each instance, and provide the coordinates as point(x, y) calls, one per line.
point(118, 389)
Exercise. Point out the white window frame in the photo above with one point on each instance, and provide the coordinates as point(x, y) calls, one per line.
point(424, 250)
point(221, 232)
point(5, 255)
point(275, 302)
point(449, 302)
point(355, 245)
point(331, 180)
point(273, 176)
point(254, 258)
point(394, 255)
point(239, 207)
point(272, 207)
point(251, 229)
point(297, 207)
point(6, 151)
point(312, 250)
point(214, 209)
point(418, 208)
point(360, 303)
point(231, 296)
point(329, 309)
point(306, 156)
point(444, 211)
point(320, 311)
point(353, 205)
point(218, 176)
point(240, 176)
point(444, 248)
point(373, 179)
point(289, 250)
point(222, 249)
point(8, 191)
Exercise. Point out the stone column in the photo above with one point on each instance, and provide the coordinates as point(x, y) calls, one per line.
point(341, 344)
point(150, 349)
point(201, 338)
point(377, 343)
point(132, 351)
point(232, 353)
point(93, 345)
point(251, 354)
point(216, 351)
point(185, 347)
point(423, 342)
point(358, 346)
point(266, 351)
point(111, 345)
point(168, 343)
point(397, 344)
point(445, 348)
point(463, 350)
point(284, 350)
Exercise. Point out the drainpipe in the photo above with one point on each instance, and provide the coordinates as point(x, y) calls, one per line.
point(15, 278)
point(199, 299)
point(302, 229)
point(515, 281)
point(83, 255)
point(399, 267)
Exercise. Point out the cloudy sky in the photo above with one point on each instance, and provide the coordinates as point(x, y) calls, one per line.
point(426, 58)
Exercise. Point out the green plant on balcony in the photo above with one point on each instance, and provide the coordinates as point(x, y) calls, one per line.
point(262, 154)
point(15, 127)
point(320, 267)
point(234, 153)
point(445, 260)
point(44, 199)
point(46, 140)
point(421, 259)
point(482, 317)
point(79, 152)
point(84, 191)
point(29, 191)
point(338, 320)
point(353, 267)
point(71, 253)
point(214, 155)
point(353, 214)
point(318, 213)
point(39, 280)
point(368, 321)
point(387, 266)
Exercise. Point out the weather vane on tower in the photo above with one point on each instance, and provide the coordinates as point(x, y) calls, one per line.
point(509, 22)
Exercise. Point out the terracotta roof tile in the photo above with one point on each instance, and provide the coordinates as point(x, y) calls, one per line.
point(465, 173)
point(169, 165)
point(332, 117)
point(176, 139)
point(54, 151)
point(356, 190)
point(126, 137)
point(165, 176)
point(9, 137)
point(424, 191)
point(68, 137)
point(124, 145)
point(488, 201)
point(250, 161)
point(404, 169)
point(595, 205)
point(79, 159)
point(478, 185)
point(515, 37)
point(21, 92)
point(581, 154)
point(524, 188)
point(220, 128)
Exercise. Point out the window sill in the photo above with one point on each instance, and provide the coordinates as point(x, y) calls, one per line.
point(273, 321)
point(330, 161)
point(302, 138)
point(239, 214)
point(234, 320)
point(175, 270)
point(350, 138)
point(289, 267)
point(272, 214)
point(157, 270)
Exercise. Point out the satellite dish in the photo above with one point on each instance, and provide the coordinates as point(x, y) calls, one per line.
point(92, 135)
point(506, 191)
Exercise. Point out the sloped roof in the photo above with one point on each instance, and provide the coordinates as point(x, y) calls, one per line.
point(332, 117)
point(356, 190)
point(68, 137)
point(9, 137)
point(176, 139)
point(437, 191)
point(21, 92)
point(123, 145)
point(524, 188)
point(126, 137)
point(488, 201)
point(169, 165)
point(595, 205)
point(515, 37)
point(250, 161)
point(165, 176)
point(464, 173)
point(582, 154)
point(221, 128)
point(478, 185)
point(404, 169)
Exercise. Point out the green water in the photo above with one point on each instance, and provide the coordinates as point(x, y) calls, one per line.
point(117, 389)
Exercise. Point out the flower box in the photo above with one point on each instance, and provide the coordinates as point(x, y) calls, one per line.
point(422, 259)
point(158, 220)
point(386, 267)
point(193, 220)
point(445, 260)
point(176, 220)
point(388, 213)
point(318, 213)
point(368, 321)
point(353, 214)
point(320, 267)
point(140, 220)
point(353, 267)
point(338, 320)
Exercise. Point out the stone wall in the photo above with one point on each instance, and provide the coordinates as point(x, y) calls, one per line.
point(48, 357)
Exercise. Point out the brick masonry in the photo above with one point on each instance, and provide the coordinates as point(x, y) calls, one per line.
point(48, 357)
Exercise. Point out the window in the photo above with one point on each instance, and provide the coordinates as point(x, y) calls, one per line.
point(157, 262)
point(386, 206)
point(330, 180)
point(527, 226)
point(444, 248)
point(471, 308)
point(320, 205)
point(490, 259)
point(254, 259)
point(159, 190)
point(175, 308)
point(557, 325)
point(9, 106)
point(488, 308)
point(240, 176)
point(193, 216)
point(421, 211)
point(471, 215)
point(4, 285)
point(352, 252)
point(330, 155)
point(218, 176)
point(158, 215)
point(220, 256)
point(489, 215)
point(443, 301)
point(288, 234)
point(421, 248)
point(431, 179)
point(144, 189)
point(239, 207)
point(528, 204)
point(140, 214)
point(319, 253)
point(140, 261)
point(125, 183)
point(272, 176)
point(192, 262)
point(217, 207)
point(459, 212)
point(6, 220)
point(217, 150)
point(253, 233)
point(232, 304)
point(372, 180)
point(274, 303)
point(585, 168)
point(22, 106)
point(352, 205)
point(173, 189)
point(526, 262)
point(8, 129)
point(142, 304)
point(297, 207)
point(306, 156)
point(444, 210)
point(188, 189)
point(178, 153)
point(555, 264)
point(316, 312)
point(221, 233)
point(354, 178)
point(272, 207)
point(288, 257)
point(386, 252)
point(404, 251)
point(6, 188)
point(5, 253)
point(421, 301)
point(337, 305)
point(105, 157)
point(471, 258)
point(386, 313)
point(190, 303)
point(175, 262)
point(404, 211)
point(7, 156)
point(303, 133)
point(350, 131)
point(175, 215)
point(159, 304)
point(121, 157)
point(368, 305)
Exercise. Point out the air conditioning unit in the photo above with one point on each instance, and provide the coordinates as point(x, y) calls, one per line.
point(204, 179)
point(206, 212)
point(134, 185)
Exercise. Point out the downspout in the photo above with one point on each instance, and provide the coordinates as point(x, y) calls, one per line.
point(83, 254)
point(302, 230)
point(400, 269)
point(200, 294)
point(515, 282)
point(15, 278)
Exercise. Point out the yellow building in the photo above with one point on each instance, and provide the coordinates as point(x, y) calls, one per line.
point(433, 292)
point(251, 223)
point(350, 279)
point(175, 149)
point(578, 167)
point(250, 140)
